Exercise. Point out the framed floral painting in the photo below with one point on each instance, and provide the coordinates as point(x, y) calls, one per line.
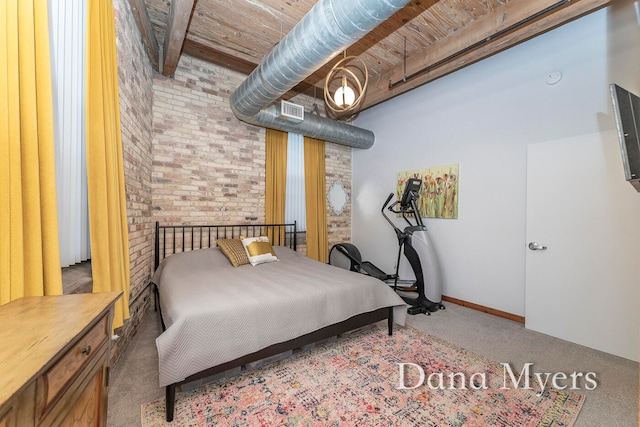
point(438, 192)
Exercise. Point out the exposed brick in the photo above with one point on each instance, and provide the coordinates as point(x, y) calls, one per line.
point(188, 159)
point(136, 114)
point(218, 166)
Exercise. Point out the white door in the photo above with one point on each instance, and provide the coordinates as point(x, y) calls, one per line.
point(584, 286)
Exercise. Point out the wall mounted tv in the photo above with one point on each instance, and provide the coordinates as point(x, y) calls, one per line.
point(626, 107)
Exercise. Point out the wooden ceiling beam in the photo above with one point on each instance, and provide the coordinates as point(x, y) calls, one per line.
point(209, 54)
point(502, 18)
point(175, 33)
point(230, 62)
point(149, 40)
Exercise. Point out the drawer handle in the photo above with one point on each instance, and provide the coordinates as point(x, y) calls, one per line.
point(86, 350)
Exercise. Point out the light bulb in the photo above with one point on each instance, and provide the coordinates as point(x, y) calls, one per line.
point(344, 97)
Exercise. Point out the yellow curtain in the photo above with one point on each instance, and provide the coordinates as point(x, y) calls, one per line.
point(276, 181)
point(314, 185)
point(105, 169)
point(29, 247)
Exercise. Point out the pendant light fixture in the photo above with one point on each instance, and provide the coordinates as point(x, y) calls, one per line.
point(345, 86)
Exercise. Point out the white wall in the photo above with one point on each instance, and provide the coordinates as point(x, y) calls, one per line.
point(482, 117)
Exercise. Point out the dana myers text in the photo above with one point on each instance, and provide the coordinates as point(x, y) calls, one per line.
point(525, 379)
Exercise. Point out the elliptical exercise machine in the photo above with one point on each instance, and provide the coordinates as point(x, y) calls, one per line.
point(419, 251)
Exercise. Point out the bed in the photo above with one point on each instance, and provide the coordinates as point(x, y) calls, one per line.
point(217, 317)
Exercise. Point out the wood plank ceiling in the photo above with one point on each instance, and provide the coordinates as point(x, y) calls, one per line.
point(425, 40)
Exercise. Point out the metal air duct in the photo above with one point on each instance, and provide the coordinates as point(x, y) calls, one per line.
point(329, 28)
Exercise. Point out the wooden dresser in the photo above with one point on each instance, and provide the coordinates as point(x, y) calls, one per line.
point(54, 358)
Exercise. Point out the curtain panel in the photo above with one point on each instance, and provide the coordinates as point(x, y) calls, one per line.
point(315, 190)
point(105, 167)
point(29, 248)
point(276, 180)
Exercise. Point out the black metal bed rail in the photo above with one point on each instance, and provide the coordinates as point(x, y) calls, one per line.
point(171, 239)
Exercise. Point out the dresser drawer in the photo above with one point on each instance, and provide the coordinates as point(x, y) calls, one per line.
point(55, 380)
point(46, 380)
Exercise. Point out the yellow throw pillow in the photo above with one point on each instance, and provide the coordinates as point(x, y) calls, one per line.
point(234, 250)
point(258, 250)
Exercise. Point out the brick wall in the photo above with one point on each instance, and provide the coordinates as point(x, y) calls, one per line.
point(136, 106)
point(187, 158)
point(208, 166)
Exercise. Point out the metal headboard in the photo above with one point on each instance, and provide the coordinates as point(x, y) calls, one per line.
point(171, 239)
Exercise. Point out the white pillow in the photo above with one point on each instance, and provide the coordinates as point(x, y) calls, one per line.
point(259, 250)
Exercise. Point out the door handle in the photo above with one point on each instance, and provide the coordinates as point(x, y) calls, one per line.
point(534, 246)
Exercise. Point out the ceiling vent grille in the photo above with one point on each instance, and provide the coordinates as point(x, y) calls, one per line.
point(290, 111)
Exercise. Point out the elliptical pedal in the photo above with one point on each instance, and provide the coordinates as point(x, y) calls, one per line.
point(418, 309)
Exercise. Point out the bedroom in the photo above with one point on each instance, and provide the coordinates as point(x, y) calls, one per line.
point(160, 182)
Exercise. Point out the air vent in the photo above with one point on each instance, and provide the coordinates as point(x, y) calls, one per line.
point(290, 111)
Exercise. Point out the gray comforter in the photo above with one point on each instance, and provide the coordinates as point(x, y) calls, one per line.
point(215, 313)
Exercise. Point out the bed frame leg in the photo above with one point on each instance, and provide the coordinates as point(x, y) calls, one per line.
point(170, 400)
point(390, 321)
point(155, 297)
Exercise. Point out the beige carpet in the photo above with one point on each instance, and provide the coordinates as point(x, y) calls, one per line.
point(614, 403)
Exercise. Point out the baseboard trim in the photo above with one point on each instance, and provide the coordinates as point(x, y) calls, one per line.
point(484, 309)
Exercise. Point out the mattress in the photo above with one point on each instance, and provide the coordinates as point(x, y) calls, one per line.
point(215, 313)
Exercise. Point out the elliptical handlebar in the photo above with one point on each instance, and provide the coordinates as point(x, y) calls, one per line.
point(386, 203)
point(407, 205)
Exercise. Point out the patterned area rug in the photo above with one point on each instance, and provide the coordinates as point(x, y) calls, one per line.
point(358, 381)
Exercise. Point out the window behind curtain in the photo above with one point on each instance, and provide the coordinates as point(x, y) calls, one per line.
point(67, 26)
point(295, 204)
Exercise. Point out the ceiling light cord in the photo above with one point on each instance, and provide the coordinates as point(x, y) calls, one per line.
point(404, 62)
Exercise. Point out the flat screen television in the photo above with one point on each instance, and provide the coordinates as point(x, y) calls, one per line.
point(626, 107)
